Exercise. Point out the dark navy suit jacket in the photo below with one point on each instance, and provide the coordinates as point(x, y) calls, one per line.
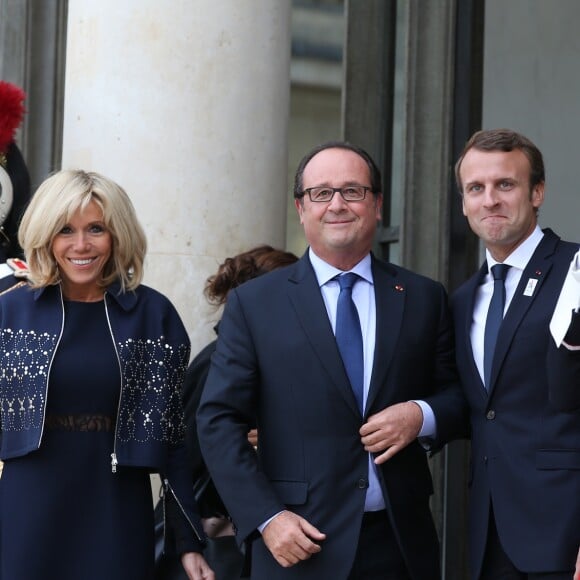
point(525, 453)
point(277, 354)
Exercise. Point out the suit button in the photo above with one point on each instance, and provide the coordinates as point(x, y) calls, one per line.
point(362, 483)
point(490, 414)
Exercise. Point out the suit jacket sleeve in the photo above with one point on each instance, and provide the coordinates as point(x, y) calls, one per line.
point(563, 367)
point(193, 385)
point(226, 413)
point(447, 401)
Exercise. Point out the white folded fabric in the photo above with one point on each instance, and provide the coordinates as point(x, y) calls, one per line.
point(568, 301)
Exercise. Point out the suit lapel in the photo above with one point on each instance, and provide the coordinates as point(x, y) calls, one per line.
point(307, 301)
point(390, 299)
point(528, 290)
point(464, 333)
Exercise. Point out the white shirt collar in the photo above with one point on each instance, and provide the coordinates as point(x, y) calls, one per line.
point(520, 257)
point(325, 272)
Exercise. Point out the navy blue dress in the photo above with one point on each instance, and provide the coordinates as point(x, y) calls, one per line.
point(63, 513)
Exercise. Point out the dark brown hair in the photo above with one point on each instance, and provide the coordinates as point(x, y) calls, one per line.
point(505, 140)
point(374, 172)
point(243, 267)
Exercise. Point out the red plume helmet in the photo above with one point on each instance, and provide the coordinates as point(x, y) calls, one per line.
point(14, 177)
point(11, 113)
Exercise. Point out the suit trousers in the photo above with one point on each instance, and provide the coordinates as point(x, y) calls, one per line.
point(378, 556)
point(498, 566)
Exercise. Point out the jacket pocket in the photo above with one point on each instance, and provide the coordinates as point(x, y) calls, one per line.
point(291, 492)
point(558, 459)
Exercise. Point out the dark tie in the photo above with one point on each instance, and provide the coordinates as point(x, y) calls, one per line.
point(494, 319)
point(349, 336)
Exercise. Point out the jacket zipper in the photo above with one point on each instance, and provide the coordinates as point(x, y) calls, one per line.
point(168, 488)
point(162, 498)
point(50, 368)
point(114, 461)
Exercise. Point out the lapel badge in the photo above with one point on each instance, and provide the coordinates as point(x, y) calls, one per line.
point(530, 286)
point(399, 288)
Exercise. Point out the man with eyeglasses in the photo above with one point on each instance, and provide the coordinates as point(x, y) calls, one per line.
point(344, 362)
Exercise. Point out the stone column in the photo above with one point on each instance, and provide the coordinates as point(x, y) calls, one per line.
point(184, 104)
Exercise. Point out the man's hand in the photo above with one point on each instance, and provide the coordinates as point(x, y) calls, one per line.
point(577, 571)
point(291, 539)
point(196, 567)
point(391, 430)
point(253, 437)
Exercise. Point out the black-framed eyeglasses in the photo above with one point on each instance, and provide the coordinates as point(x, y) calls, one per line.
point(325, 194)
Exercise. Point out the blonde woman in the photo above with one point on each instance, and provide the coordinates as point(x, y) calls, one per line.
point(92, 367)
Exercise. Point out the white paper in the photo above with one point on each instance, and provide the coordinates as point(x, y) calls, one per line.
point(568, 301)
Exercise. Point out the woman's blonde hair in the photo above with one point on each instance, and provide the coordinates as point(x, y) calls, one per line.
point(52, 206)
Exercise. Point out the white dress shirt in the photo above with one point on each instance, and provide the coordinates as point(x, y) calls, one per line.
point(518, 260)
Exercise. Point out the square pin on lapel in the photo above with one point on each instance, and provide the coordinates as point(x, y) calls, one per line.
point(530, 287)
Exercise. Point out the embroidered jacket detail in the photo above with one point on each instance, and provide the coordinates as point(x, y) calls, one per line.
point(153, 353)
point(24, 361)
point(151, 407)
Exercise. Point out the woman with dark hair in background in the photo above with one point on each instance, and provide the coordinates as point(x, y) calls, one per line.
point(222, 552)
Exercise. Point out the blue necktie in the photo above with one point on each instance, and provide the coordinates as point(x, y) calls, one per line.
point(349, 336)
point(494, 319)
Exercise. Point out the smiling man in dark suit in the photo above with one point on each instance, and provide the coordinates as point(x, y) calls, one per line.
point(340, 486)
point(525, 481)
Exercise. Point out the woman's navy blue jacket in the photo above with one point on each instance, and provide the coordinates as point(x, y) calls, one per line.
point(153, 352)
